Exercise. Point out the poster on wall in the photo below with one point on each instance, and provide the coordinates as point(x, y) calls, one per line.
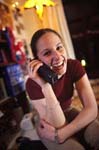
point(5, 16)
point(18, 23)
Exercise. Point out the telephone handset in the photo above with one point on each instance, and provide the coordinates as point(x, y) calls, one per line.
point(47, 74)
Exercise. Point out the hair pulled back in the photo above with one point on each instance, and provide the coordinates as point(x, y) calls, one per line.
point(37, 35)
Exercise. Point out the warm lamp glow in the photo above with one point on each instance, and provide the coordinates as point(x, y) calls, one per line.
point(16, 4)
point(38, 4)
point(83, 62)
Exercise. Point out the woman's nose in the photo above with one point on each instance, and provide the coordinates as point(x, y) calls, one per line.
point(56, 55)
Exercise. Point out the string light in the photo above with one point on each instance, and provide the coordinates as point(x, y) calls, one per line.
point(16, 4)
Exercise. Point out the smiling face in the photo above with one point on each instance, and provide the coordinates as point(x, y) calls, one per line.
point(50, 50)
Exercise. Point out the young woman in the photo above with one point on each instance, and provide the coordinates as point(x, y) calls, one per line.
point(52, 99)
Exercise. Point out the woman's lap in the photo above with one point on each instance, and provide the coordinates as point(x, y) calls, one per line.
point(70, 144)
point(89, 136)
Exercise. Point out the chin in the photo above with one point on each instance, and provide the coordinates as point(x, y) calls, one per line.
point(61, 72)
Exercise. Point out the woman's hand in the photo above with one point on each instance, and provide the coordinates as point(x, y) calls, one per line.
point(33, 66)
point(46, 131)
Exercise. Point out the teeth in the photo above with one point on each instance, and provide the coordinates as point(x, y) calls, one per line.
point(58, 64)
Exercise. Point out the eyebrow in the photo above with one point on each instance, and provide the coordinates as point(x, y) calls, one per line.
point(46, 49)
point(58, 43)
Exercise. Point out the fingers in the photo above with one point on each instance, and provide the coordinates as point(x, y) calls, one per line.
point(45, 130)
point(33, 66)
point(44, 124)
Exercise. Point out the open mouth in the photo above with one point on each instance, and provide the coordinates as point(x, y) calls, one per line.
point(58, 66)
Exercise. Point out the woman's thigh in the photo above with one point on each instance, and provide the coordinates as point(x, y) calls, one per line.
point(70, 144)
point(91, 134)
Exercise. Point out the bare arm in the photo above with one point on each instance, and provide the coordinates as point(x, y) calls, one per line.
point(49, 108)
point(55, 115)
point(86, 116)
point(88, 113)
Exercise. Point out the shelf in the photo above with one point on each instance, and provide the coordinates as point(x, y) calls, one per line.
point(88, 33)
point(2, 41)
point(13, 141)
point(7, 64)
point(4, 100)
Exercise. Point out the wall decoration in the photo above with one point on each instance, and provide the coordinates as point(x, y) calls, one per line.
point(38, 5)
point(18, 23)
point(5, 16)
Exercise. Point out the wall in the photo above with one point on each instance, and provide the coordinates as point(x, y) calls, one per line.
point(53, 17)
point(84, 29)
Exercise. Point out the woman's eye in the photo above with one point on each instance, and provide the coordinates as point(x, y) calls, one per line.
point(59, 47)
point(47, 53)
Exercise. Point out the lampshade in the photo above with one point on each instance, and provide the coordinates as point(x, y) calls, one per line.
point(38, 4)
